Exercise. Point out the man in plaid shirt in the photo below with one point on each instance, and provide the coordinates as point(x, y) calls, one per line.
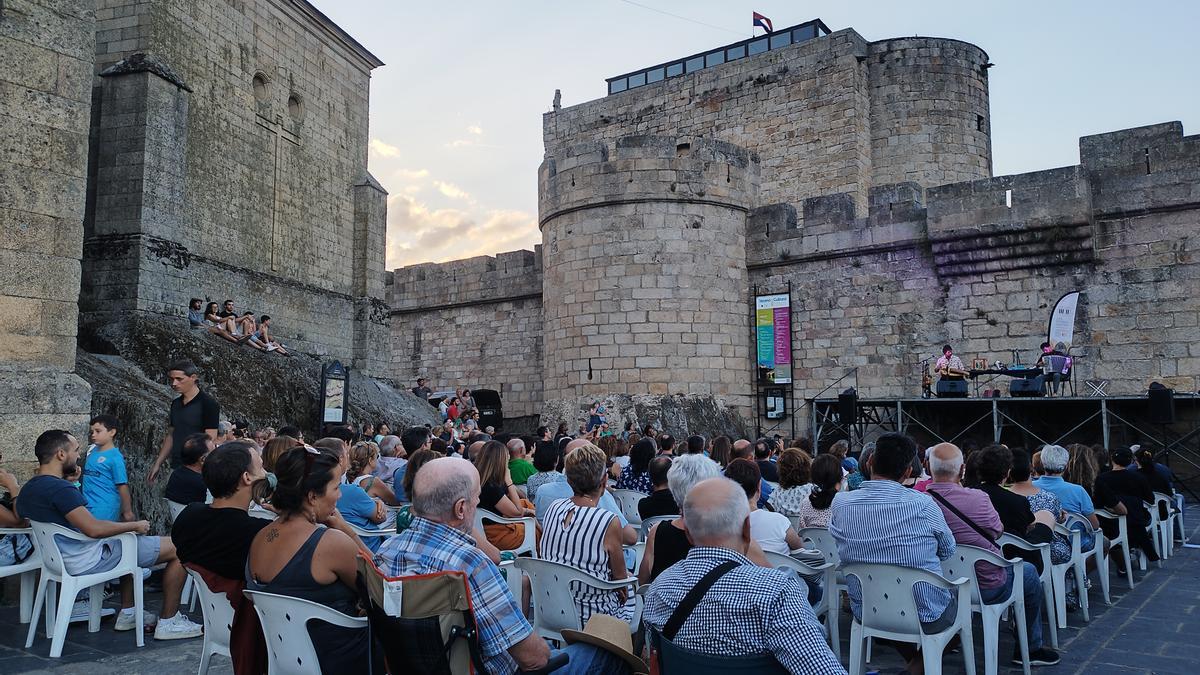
point(445, 496)
point(750, 610)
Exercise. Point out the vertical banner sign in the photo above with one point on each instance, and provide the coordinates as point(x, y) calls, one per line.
point(1062, 321)
point(773, 336)
point(333, 393)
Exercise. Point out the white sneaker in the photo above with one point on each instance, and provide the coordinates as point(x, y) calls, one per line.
point(82, 611)
point(178, 627)
point(127, 621)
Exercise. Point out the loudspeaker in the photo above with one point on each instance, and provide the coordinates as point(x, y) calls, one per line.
point(1022, 388)
point(1162, 404)
point(951, 388)
point(848, 406)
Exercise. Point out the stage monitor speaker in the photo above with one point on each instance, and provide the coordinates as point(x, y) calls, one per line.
point(848, 406)
point(1023, 388)
point(951, 388)
point(1162, 404)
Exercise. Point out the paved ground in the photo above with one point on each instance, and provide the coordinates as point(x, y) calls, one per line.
point(1154, 628)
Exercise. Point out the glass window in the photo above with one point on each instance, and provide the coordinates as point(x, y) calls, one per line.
point(637, 80)
point(804, 33)
point(758, 46)
point(714, 59)
point(735, 53)
point(780, 40)
point(654, 75)
point(695, 63)
point(616, 85)
point(674, 69)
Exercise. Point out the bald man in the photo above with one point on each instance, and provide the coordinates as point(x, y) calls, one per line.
point(742, 449)
point(974, 522)
point(445, 496)
point(551, 492)
point(768, 608)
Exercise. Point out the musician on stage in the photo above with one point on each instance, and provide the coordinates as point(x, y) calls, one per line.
point(950, 367)
point(1055, 378)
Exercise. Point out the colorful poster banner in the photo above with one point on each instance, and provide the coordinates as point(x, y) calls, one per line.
point(773, 337)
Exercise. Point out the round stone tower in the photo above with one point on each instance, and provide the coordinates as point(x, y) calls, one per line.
point(645, 289)
point(930, 122)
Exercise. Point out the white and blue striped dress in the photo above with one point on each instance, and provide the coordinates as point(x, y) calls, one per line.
point(574, 535)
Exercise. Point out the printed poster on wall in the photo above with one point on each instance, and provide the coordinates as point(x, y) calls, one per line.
point(773, 337)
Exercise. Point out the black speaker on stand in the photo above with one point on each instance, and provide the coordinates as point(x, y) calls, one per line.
point(1026, 387)
point(951, 389)
point(1162, 404)
point(848, 407)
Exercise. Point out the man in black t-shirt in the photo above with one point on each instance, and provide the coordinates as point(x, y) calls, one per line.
point(660, 502)
point(186, 485)
point(217, 536)
point(194, 412)
point(1122, 491)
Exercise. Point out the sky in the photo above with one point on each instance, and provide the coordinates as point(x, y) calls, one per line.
point(456, 113)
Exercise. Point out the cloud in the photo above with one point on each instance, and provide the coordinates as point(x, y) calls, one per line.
point(451, 190)
point(459, 143)
point(475, 130)
point(383, 149)
point(411, 174)
point(419, 234)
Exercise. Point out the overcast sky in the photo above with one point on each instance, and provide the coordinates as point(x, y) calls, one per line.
point(456, 132)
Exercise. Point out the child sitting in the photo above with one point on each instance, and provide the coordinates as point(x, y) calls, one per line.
point(261, 338)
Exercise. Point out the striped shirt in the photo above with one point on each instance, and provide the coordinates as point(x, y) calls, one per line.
point(884, 522)
point(573, 535)
point(750, 610)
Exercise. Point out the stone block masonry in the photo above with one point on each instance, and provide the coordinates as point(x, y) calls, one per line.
point(45, 76)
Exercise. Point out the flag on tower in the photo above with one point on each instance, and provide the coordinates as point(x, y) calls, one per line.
point(762, 22)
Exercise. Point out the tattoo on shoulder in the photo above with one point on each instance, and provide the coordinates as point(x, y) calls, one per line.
point(272, 534)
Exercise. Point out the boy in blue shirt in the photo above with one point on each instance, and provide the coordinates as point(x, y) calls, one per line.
point(105, 485)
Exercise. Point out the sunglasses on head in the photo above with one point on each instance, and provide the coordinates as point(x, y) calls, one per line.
point(310, 455)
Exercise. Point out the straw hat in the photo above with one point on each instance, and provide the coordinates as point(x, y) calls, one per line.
point(610, 634)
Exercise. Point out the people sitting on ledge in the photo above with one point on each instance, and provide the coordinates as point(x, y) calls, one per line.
point(218, 324)
point(261, 338)
point(226, 324)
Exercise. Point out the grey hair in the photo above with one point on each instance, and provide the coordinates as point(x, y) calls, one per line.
point(718, 521)
point(1054, 458)
point(224, 427)
point(686, 471)
point(387, 446)
point(435, 501)
point(945, 467)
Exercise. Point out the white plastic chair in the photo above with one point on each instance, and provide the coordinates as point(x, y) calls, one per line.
point(628, 501)
point(175, 508)
point(218, 621)
point(554, 608)
point(528, 544)
point(364, 532)
point(644, 530)
point(1166, 525)
point(1122, 540)
point(189, 587)
point(1078, 563)
point(889, 610)
point(826, 608)
point(284, 621)
point(962, 564)
point(27, 569)
point(1047, 578)
point(1154, 529)
point(259, 512)
point(638, 550)
point(55, 572)
point(819, 539)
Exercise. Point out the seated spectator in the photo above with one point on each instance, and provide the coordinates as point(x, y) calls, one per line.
point(773, 531)
point(753, 609)
point(309, 552)
point(1040, 501)
point(276, 447)
point(105, 482)
point(858, 475)
point(364, 477)
point(356, 504)
point(196, 313)
point(993, 466)
point(237, 323)
point(552, 492)
point(547, 460)
point(763, 451)
point(445, 495)
point(220, 325)
point(884, 522)
point(1074, 498)
point(974, 522)
point(412, 440)
point(722, 451)
point(1157, 475)
point(292, 431)
point(1082, 468)
point(827, 481)
point(392, 458)
point(665, 444)
point(47, 498)
point(667, 542)
point(217, 536)
point(498, 495)
point(660, 502)
point(695, 444)
point(620, 453)
point(186, 484)
point(1123, 492)
point(579, 534)
point(262, 340)
point(519, 467)
point(14, 548)
point(636, 476)
point(793, 470)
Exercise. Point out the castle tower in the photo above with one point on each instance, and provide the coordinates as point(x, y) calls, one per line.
point(645, 283)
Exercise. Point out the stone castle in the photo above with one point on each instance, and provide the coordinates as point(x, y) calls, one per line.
point(855, 173)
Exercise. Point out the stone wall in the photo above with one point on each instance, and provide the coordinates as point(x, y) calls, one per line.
point(45, 76)
point(835, 114)
point(229, 161)
point(475, 323)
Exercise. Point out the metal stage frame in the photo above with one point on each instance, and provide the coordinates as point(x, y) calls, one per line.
point(1019, 422)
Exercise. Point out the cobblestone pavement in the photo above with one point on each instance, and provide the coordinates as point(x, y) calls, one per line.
point(1153, 629)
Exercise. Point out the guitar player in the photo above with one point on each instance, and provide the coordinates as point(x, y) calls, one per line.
point(950, 367)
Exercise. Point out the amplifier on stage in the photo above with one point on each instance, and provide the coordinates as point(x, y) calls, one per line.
point(1025, 388)
point(951, 388)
